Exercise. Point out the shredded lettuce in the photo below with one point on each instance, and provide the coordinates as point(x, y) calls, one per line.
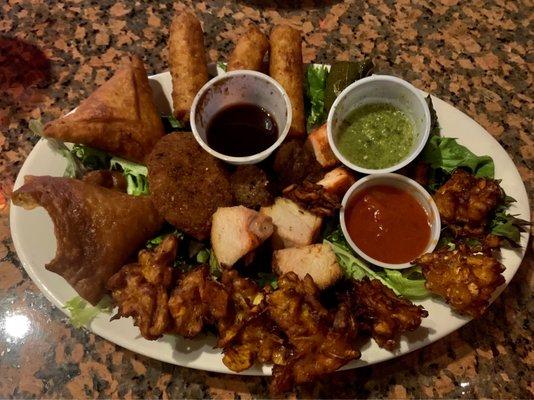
point(82, 313)
point(409, 282)
point(315, 90)
point(136, 175)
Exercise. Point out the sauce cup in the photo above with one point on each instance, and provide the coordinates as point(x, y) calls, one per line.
point(403, 183)
point(238, 87)
point(380, 89)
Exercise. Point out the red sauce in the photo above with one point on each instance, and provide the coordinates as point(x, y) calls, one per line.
point(388, 224)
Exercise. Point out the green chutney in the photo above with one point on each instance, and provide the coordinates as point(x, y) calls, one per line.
point(376, 135)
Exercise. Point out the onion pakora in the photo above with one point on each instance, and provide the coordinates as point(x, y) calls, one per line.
point(140, 290)
point(197, 300)
point(314, 198)
point(465, 203)
point(187, 184)
point(466, 280)
point(322, 340)
point(382, 313)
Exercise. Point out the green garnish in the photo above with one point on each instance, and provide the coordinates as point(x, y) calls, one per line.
point(315, 91)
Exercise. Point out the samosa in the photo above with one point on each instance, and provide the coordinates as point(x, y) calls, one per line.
point(120, 117)
point(97, 229)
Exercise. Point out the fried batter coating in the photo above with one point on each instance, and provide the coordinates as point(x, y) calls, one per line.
point(106, 178)
point(314, 198)
point(187, 184)
point(97, 229)
point(465, 202)
point(294, 162)
point(251, 187)
point(198, 300)
point(383, 314)
point(465, 280)
point(322, 340)
point(140, 290)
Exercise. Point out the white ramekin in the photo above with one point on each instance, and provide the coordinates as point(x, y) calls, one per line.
point(401, 182)
point(240, 87)
point(380, 89)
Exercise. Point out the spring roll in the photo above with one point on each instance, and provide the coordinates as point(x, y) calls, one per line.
point(187, 63)
point(285, 66)
point(249, 51)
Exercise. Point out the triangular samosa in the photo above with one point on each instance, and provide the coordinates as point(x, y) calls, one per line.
point(119, 117)
point(97, 229)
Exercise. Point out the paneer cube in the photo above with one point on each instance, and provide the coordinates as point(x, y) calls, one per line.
point(337, 181)
point(293, 226)
point(236, 231)
point(321, 148)
point(318, 260)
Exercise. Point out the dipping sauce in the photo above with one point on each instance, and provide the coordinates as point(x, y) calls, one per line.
point(388, 224)
point(242, 130)
point(376, 136)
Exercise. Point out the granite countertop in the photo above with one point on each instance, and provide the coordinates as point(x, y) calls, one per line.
point(473, 54)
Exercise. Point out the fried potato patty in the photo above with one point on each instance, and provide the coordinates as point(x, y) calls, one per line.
point(187, 184)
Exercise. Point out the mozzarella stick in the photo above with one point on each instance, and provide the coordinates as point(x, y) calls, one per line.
point(285, 66)
point(249, 51)
point(187, 62)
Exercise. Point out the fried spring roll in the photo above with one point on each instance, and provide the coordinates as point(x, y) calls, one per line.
point(285, 66)
point(187, 62)
point(249, 51)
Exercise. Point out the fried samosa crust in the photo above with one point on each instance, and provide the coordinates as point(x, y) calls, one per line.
point(97, 229)
point(119, 117)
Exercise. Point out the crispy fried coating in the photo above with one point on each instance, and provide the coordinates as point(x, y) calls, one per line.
point(141, 290)
point(314, 198)
point(251, 187)
point(322, 340)
point(120, 117)
point(197, 301)
point(106, 178)
point(466, 280)
point(97, 229)
point(382, 313)
point(187, 184)
point(249, 51)
point(465, 202)
point(294, 162)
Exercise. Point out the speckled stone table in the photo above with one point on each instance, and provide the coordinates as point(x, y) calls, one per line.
point(473, 54)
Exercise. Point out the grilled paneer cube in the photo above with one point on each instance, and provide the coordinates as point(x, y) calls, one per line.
point(317, 260)
point(321, 148)
point(235, 231)
point(293, 226)
point(337, 181)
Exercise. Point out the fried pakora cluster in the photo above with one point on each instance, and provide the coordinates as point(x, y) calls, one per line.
point(465, 203)
point(313, 197)
point(466, 280)
point(140, 290)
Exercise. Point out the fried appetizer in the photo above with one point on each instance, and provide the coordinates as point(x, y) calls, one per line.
point(247, 334)
point(465, 280)
point(119, 117)
point(251, 187)
point(198, 300)
point(249, 51)
point(382, 313)
point(293, 225)
point(322, 340)
point(294, 162)
point(97, 229)
point(321, 148)
point(106, 178)
point(285, 66)
point(141, 290)
point(236, 231)
point(317, 260)
point(187, 62)
point(465, 202)
point(337, 182)
point(314, 198)
point(187, 184)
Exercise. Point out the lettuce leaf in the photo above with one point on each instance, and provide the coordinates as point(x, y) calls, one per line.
point(506, 225)
point(315, 90)
point(82, 313)
point(136, 175)
point(408, 283)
